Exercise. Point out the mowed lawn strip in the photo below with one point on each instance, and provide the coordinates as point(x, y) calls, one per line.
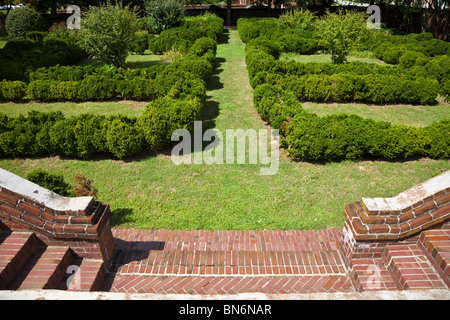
point(150, 192)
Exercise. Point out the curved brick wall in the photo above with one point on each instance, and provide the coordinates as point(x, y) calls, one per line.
point(373, 224)
point(416, 209)
point(80, 223)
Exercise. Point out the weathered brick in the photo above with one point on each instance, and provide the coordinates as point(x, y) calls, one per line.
point(379, 228)
point(8, 198)
point(406, 216)
point(442, 200)
point(425, 208)
point(47, 216)
point(29, 208)
point(442, 211)
point(69, 228)
point(32, 219)
point(417, 222)
point(9, 210)
point(359, 227)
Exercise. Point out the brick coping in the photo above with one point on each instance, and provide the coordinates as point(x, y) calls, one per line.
point(40, 195)
point(417, 194)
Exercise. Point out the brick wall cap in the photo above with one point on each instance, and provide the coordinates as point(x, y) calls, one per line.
point(41, 195)
point(411, 196)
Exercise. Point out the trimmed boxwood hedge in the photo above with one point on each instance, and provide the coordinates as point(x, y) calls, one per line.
point(280, 85)
point(338, 137)
point(177, 91)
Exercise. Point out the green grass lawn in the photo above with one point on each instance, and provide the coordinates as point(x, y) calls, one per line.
point(148, 191)
point(326, 58)
point(133, 61)
point(129, 108)
point(412, 115)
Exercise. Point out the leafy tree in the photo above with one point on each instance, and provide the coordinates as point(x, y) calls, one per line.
point(299, 19)
point(342, 31)
point(108, 32)
point(164, 14)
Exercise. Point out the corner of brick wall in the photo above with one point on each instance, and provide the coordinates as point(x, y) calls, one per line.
point(372, 224)
point(85, 230)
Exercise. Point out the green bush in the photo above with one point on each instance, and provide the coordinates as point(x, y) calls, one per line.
point(339, 137)
point(20, 21)
point(164, 14)
point(123, 139)
point(35, 35)
point(211, 25)
point(51, 181)
point(108, 32)
point(298, 19)
point(140, 43)
point(411, 58)
point(164, 115)
point(180, 39)
point(392, 54)
point(12, 90)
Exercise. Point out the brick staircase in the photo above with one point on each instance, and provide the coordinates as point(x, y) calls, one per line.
point(27, 263)
point(226, 262)
point(51, 242)
point(400, 243)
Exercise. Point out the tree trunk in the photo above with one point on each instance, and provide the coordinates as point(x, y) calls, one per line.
point(229, 12)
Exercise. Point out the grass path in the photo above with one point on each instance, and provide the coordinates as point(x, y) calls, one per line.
point(150, 192)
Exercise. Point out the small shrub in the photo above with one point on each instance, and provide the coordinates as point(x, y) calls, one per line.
point(298, 19)
point(123, 139)
point(51, 181)
point(410, 58)
point(35, 35)
point(20, 21)
point(140, 43)
point(83, 186)
point(392, 54)
point(164, 14)
point(12, 90)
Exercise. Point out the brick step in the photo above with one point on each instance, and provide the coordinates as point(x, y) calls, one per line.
point(15, 250)
point(370, 274)
point(84, 275)
point(220, 240)
point(44, 270)
point(410, 268)
point(227, 262)
point(212, 285)
point(436, 247)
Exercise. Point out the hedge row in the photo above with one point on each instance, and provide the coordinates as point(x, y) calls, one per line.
point(18, 57)
point(307, 136)
point(371, 88)
point(348, 82)
point(391, 48)
point(184, 77)
point(279, 85)
point(49, 134)
point(183, 37)
point(286, 39)
point(178, 90)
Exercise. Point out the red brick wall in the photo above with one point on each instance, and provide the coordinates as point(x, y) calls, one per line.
point(87, 232)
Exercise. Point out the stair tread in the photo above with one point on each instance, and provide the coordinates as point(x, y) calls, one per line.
point(411, 269)
point(44, 269)
point(15, 250)
point(436, 246)
point(86, 275)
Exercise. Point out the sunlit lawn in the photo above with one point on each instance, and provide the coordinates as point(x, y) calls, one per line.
point(149, 191)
